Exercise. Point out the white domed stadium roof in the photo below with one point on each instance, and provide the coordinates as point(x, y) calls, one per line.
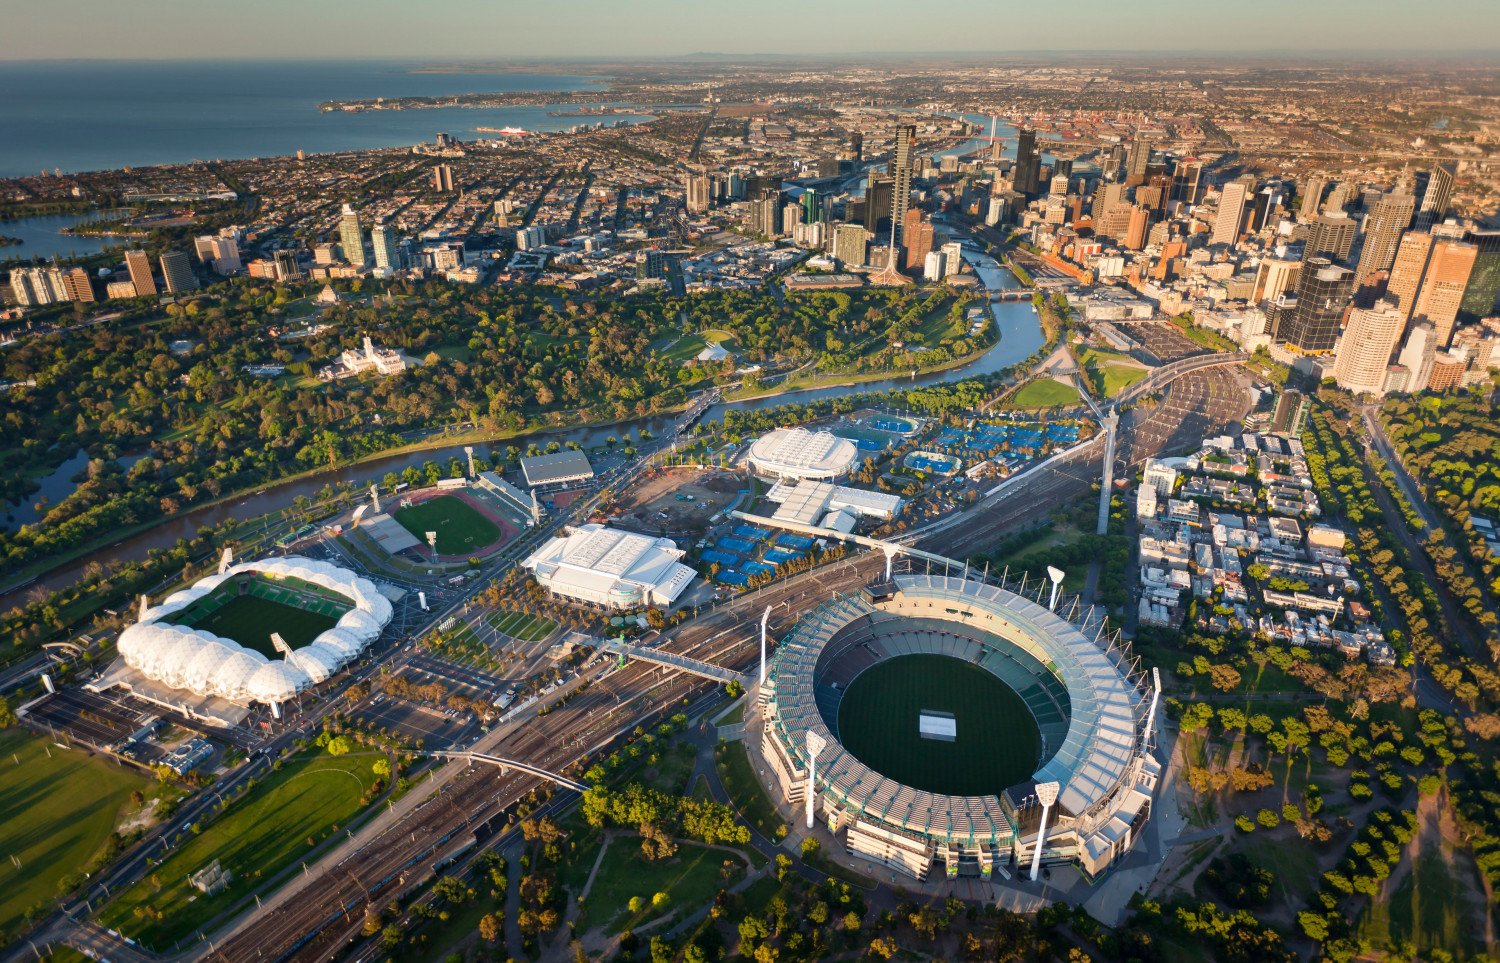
point(799, 453)
point(207, 664)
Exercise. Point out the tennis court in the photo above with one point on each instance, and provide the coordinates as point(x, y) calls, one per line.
point(801, 542)
point(731, 577)
point(723, 558)
point(752, 532)
point(780, 556)
point(758, 568)
point(732, 544)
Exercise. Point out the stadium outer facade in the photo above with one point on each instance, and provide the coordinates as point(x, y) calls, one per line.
point(1096, 748)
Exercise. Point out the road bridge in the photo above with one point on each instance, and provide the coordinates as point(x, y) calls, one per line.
point(1162, 376)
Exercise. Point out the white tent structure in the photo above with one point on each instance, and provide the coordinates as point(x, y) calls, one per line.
point(199, 661)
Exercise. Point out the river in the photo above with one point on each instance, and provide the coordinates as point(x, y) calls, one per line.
point(1020, 336)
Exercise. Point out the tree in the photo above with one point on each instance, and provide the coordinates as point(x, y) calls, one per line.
point(883, 947)
point(381, 767)
point(7, 714)
point(339, 745)
point(809, 847)
point(1268, 818)
point(489, 928)
point(636, 904)
point(658, 900)
point(783, 865)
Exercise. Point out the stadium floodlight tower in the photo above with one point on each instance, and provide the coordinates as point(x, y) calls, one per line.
point(469, 452)
point(1056, 574)
point(226, 560)
point(1046, 794)
point(432, 543)
point(359, 512)
point(815, 745)
point(375, 499)
point(1151, 712)
point(763, 620)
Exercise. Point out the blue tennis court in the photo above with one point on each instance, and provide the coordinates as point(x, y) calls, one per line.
point(736, 544)
point(752, 532)
point(731, 577)
point(794, 541)
point(892, 424)
point(758, 568)
point(942, 466)
point(865, 444)
point(723, 558)
point(780, 556)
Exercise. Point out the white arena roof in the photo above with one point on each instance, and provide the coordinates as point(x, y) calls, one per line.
point(208, 664)
point(611, 567)
point(799, 453)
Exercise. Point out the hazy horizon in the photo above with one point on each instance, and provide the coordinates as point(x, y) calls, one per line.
point(486, 30)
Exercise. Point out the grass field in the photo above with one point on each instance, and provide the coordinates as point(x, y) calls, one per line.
point(690, 879)
point(264, 832)
point(1110, 373)
point(56, 814)
point(1045, 393)
point(1429, 910)
point(997, 743)
point(460, 527)
point(250, 620)
point(746, 790)
point(523, 627)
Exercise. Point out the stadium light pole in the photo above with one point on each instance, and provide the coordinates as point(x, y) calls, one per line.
point(1046, 794)
point(815, 745)
point(1151, 713)
point(763, 620)
point(1056, 574)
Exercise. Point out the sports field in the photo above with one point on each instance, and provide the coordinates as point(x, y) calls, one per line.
point(278, 823)
point(997, 744)
point(1045, 393)
point(523, 628)
point(56, 814)
point(461, 528)
point(250, 620)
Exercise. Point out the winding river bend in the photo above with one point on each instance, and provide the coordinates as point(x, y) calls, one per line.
point(1020, 335)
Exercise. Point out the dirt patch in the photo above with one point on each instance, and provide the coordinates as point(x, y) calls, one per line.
point(677, 500)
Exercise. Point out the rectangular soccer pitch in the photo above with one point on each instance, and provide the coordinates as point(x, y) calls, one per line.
point(250, 620)
point(460, 527)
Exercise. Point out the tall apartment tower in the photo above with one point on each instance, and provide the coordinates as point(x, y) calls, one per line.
point(916, 231)
point(851, 244)
point(352, 237)
point(1323, 291)
point(1231, 215)
point(698, 193)
point(901, 171)
point(1364, 352)
point(1408, 270)
point(1137, 160)
point(1383, 229)
point(139, 266)
point(1332, 236)
point(383, 241)
point(442, 178)
point(1187, 181)
point(177, 272)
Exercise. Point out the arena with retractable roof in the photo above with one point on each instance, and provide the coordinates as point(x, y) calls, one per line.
point(961, 723)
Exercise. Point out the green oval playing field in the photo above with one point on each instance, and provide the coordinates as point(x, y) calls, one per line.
point(996, 743)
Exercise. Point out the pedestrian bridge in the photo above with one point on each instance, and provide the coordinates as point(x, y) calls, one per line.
point(681, 662)
point(517, 765)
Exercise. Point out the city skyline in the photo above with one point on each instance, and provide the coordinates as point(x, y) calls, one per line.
point(343, 29)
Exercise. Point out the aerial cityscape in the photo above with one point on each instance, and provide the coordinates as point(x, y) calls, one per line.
point(649, 482)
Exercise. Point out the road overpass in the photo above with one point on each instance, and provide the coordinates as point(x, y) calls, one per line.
point(1160, 377)
point(515, 764)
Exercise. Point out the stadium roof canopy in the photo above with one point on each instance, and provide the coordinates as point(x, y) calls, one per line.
point(562, 466)
point(799, 453)
point(208, 664)
point(611, 567)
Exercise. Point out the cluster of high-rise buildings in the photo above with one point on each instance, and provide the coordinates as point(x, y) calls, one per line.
point(52, 284)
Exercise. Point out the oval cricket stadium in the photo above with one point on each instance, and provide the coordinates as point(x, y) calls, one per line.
point(952, 721)
point(257, 631)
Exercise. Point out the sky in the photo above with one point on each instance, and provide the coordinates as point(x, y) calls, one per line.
point(449, 30)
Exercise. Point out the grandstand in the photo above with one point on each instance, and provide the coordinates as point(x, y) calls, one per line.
point(1027, 696)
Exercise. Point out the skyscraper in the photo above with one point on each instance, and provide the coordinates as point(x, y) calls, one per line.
point(1330, 235)
point(352, 237)
point(442, 178)
point(1442, 293)
point(139, 266)
point(850, 244)
point(1136, 228)
point(1312, 197)
point(765, 212)
point(1437, 196)
point(1323, 291)
point(1408, 270)
point(1186, 181)
point(77, 285)
point(901, 171)
point(383, 240)
point(813, 209)
point(1383, 229)
point(1231, 213)
point(877, 201)
point(1028, 169)
point(917, 231)
point(1137, 160)
point(177, 272)
point(1364, 352)
point(1273, 278)
point(1482, 295)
